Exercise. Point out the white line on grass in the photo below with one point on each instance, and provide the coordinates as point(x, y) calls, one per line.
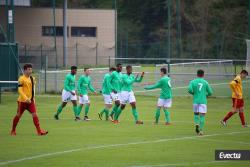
point(182, 164)
point(227, 141)
point(115, 145)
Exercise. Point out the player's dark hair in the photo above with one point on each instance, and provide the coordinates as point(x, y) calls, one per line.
point(164, 70)
point(119, 64)
point(112, 69)
point(244, 72)
point(200, 73)
point(73, 68)
point(26, 66)
point(128, 66)
point(85, 69)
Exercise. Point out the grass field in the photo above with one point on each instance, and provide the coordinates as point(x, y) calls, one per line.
point(101, 143)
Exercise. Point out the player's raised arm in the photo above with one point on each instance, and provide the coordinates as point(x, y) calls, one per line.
point(141, 77)
point(156, 85)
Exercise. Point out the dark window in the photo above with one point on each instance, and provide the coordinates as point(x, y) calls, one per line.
point(49, 30)
point(83, 31)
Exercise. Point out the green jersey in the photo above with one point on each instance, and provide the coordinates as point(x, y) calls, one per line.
point(116, 81)
point(84, 83)
point(106, 86)
point(200, 89)
point(165, 85)
point(128, 81)
point(69, 82)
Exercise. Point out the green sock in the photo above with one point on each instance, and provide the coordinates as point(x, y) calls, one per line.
point(114, 110)
point(117, 113)
point(86, 109)
point(157, 114)
point(196, 119)
point(106, 111)
point(135, 114)
point(59, 109)
point(75, 111)
point(167, 115)
point(79, 110)
point(202, 122)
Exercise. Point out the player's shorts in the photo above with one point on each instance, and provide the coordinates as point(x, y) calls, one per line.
point(200, 108)
point(238, 103)
point(107, 99)
point(22, 106)
point(84, 99)
point(167, 103)
point(67, 96)
point(115, 96)
point(127, 97)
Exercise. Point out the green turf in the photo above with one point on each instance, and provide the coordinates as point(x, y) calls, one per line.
point(101, 143)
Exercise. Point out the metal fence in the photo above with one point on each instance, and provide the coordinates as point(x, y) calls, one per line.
point(218, 72)
point(78, 54)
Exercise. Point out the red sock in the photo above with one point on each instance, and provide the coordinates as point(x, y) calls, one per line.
point(228, 116)
point(15, 122)
point(242, 118)
point(36, 123)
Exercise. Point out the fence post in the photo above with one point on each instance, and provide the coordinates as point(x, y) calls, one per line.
point(25, 50)
point(45, 74)
point(109, 62)
point(235, 68)
point(41, 59)
point(96, 54)
point(76, 54)
point(168, 63)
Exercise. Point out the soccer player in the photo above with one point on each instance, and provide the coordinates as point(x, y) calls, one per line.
point(69, 94)
point(200, 89)
point(165, 99)
point(237, 99)
point(116, 82)
point(26, 100)
point(106, 90)
point(84, 83)
point(127, 94)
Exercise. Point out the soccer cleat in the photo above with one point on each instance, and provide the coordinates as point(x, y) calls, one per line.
point(139, 122)
point(77, 119)
point(115, 121)
point(100, 116)
point(56, 117)
point(223, 123)
point(86, 118)
point(245, 126)
point(42, 133)
point(197, 129)
point(200, 133)
point(13, 133)
point(167, 123)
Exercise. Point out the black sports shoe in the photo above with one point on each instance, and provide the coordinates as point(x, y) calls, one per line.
point(197, 129)
point(86, 118)
point(56, 117)
point(77, 119)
